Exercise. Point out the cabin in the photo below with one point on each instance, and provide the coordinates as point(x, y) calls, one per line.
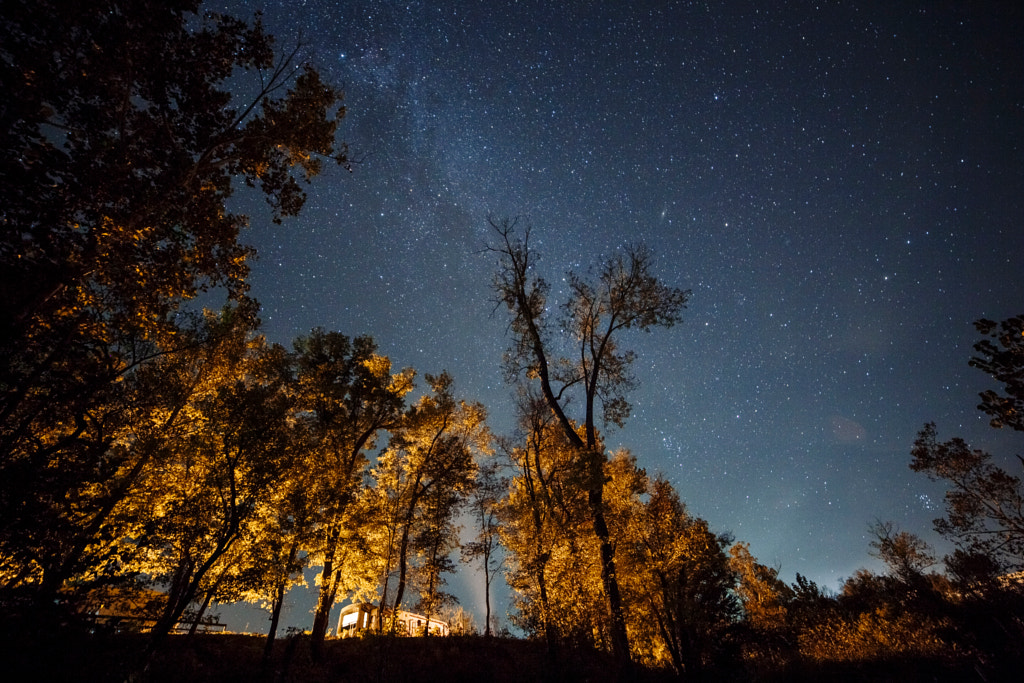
point(362, 616)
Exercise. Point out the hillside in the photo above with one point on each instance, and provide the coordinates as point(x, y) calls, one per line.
point(229, 658)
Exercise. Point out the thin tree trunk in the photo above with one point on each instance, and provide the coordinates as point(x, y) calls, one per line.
point(402, 572)
point(202, 609)
point(487, 594)
point(328, 591)
point(275, 608)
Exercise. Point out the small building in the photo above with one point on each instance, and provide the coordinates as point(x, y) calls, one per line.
point(362, 616)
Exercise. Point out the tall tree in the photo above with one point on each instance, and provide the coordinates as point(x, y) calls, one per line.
point(200, 503)
point(346, 396)
point(49, 545)
point(436, 540)
point(488, 491)
point(624, 295)
point(542, 522)
point(116, 160)
point(273, 550)
point(432, 457)
point(985, 503)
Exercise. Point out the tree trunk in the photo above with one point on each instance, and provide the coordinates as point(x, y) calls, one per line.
point(202, 610)
point(402, 571)
point(325, 599)
point(620, 639)
point(403, 550)
point(487, 594)
point(275, 608)
point(328, 591)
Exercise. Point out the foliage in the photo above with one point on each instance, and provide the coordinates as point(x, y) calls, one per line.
point(199, 502)
point(1004, 361)
point(905, 554)
point(116, 160)
point(878, 634)
point(422, 482)
point(985, 504)
point(623, 295)
point(675, 575)
point(346, 396)
point(544, 523)
point(679, 582)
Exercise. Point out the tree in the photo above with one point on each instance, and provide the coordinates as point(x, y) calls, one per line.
point(623, 296)
point(346, 396)
point(70, 544)
point(1004, 360)
point(485, 499)
point(984, 507)
point(434, 543)
point(765, 633)
point(200, 503)
point(762, 594)
point(542, 526)
point(116, 160)
point(906, 555)
point(679, 582)
point(425, 476)
point(273, 551)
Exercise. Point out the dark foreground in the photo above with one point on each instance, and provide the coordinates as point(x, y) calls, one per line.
point(230, 658)
point(88, 658)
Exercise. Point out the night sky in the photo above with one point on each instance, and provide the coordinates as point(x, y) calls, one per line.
point(841, 186)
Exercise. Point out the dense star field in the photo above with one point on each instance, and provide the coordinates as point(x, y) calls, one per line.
point(841, 186)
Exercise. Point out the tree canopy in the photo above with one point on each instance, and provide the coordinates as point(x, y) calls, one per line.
point(116, 159)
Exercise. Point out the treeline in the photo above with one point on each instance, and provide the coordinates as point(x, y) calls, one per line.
point(603, 556)
point(145, 446)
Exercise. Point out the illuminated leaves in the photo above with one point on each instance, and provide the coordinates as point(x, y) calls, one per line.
point(116, 160)
point(595, 370)
point(346, 396)
point(419, 485)
point(881, 634)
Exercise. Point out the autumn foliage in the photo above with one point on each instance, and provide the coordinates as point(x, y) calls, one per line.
point(168, 458)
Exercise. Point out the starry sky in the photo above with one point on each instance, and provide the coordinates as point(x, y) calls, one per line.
point(841, 186)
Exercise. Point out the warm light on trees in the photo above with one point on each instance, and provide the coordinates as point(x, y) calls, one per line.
point(116, 159)
point(346, 395)
point(622, 295)
point(677, 577)
point(544, 520)
point(216, 478)
point(423, 479)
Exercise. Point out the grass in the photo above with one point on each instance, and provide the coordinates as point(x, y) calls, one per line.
point(227, 658)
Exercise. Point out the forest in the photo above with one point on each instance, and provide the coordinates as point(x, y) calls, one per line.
point(166, 458)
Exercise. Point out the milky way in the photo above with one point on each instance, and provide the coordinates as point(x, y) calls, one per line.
point(840, 186)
